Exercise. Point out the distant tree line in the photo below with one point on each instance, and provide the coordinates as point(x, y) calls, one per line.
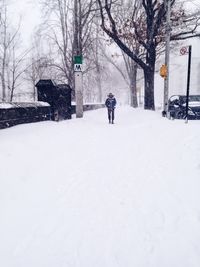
point(92, 28)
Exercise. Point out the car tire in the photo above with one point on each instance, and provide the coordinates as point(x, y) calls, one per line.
point(180, 115)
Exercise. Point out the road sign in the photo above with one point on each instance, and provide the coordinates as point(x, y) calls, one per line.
point(77, 67)
point(78, 59)
point(163, 71)
point(184, 50)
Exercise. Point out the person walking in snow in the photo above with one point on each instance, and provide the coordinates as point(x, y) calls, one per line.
point(110, 104)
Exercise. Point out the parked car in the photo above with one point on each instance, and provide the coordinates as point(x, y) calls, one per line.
point(177, 107)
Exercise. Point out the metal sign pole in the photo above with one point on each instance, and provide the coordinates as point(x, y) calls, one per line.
point(79, 94)
point(167, 51)
point(78, 75)
point(188, 81)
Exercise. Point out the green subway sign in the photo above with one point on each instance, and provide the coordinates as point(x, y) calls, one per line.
point(78, 59)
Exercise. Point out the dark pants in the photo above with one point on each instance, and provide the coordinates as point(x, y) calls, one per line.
point(111, 114)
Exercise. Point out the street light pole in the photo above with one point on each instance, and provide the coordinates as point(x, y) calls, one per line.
point(167, 52)
point(78, 76)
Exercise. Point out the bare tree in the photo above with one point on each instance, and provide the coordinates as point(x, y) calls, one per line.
point(15, 69)
point(6, 40)
point(39, 64)
point(11, 58)
point(67, 28)
point(95, 55)
point(147, 26)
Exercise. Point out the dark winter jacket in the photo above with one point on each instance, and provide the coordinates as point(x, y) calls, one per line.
point(110, 102)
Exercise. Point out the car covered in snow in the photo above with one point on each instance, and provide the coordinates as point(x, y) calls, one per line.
point(177, 107)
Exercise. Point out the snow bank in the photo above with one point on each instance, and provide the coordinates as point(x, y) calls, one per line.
point(23, 104)
point(5, 105)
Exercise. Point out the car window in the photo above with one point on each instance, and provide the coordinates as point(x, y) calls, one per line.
point(174, 97)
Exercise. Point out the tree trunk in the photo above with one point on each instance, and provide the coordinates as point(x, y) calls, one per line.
point(3, 88)
point(97, 64)
point(149, 89)
point(149, 72)
point(3, 83)
point(12, 93)
point(98, 79)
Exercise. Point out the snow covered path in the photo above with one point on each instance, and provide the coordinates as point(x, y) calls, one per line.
point(84, 193)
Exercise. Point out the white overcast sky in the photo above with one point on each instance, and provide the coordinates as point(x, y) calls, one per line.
point(30, 13)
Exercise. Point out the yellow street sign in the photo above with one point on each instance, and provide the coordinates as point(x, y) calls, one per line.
point(163, 71)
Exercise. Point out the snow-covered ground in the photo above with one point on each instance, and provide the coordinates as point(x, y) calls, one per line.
point(83, 193)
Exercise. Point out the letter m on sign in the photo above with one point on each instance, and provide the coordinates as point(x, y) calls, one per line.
point(77, 67)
